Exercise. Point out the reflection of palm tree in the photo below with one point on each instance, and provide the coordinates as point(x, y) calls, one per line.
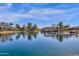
point(60, 37)
point(31, 35)
point(35, 36)
point(18, 27)
point(11, 39)
point(23, 34)
point(18, 36)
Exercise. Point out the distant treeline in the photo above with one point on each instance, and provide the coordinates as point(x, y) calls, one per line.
point(59, 27)
point(9, 27)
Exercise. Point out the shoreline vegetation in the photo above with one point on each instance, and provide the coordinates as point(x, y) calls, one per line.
point(60, 28)
point(7, 28)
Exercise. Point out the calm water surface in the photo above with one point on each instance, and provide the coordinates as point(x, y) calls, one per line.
point(39, 44)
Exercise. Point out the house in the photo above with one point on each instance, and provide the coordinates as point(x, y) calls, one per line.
point(5, 26)
point(49, 29)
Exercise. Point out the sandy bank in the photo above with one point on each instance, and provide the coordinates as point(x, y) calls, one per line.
point(9, 32)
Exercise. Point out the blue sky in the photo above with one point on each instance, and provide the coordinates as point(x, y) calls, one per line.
point(42, 14)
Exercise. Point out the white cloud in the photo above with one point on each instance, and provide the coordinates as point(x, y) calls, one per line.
point(32, 14)
point(47, 11)
point(2, 8)
point(38, 14)
point(5, 8)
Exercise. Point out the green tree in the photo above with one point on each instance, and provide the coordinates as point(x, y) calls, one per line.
point(35, 27)
point(60, 26)
point(29, 27)
point(66, 27)
point(18, 27)
point(11, 25)
point(24, 27)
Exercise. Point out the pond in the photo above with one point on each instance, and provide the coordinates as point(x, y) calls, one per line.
point(39, 44)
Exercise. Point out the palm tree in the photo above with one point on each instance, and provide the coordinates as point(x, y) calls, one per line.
point(60, 25)
point(24, 27)
point(35, 27)
point(11, 25)
point(18, 27)
point(29, 27)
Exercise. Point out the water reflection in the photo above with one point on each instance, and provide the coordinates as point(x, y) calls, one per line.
point(6, 37)
point(9, 37)
point(30, 36)
point(59, 36)
point(18, 35)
